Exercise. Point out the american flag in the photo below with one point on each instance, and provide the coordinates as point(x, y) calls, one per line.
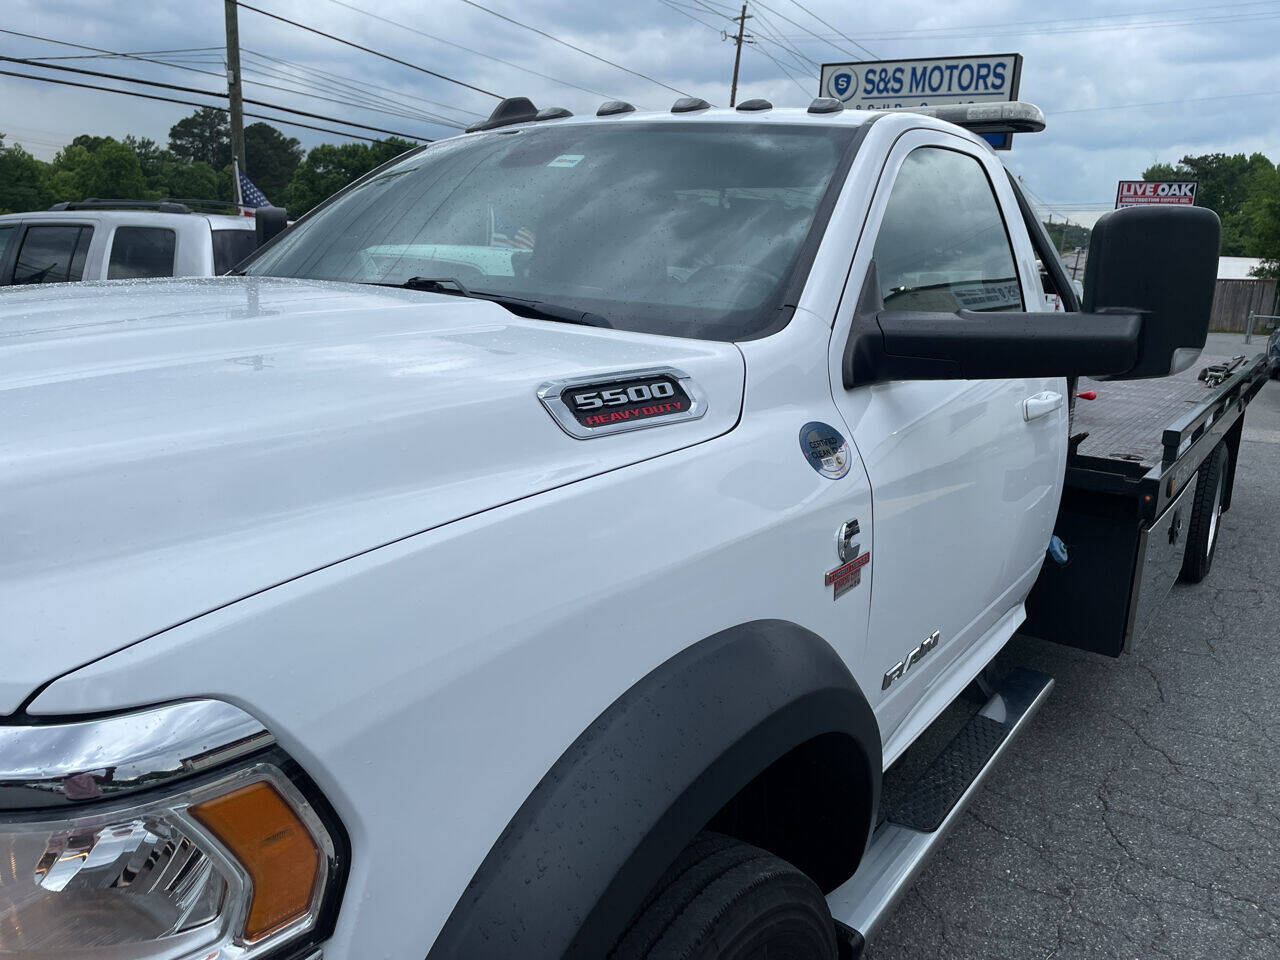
point(502, 234)
point(251, 196)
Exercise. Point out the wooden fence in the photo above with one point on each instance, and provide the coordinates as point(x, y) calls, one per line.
point(1233, 300)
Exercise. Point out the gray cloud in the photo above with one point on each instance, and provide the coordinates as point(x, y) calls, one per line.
point(1076, 161)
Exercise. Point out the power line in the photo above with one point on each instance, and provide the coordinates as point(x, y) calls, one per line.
point(189, 103)
point(679, 9)
point(756, 47)
point(81, 46)
point(135, 53)
point(830, 27)
point(771, 33)
point(363, 105)
point(204, 93)
point(376, 53)
point(430, 36)
point(359, 86)
point(847, 53)
point(760, 50)
point(104, 53)
point(566, 43)
point(404, 111)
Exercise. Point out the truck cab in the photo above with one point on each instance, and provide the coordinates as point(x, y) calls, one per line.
point(545, 546)
point(120, 239)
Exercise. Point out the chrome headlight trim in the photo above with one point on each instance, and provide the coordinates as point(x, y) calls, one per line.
point(68, 763)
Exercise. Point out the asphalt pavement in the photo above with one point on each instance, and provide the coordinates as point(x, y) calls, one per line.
point(1139, 814)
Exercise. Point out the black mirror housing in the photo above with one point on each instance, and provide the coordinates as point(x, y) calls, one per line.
point(1163, 263)
point(268, 222)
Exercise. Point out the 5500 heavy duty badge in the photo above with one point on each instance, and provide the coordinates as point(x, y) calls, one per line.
point(591, 406)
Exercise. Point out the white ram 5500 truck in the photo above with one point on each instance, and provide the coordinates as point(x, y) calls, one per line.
point(543, 547)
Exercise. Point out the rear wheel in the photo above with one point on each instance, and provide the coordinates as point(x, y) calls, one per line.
point(727, 900)
point(1206, 514)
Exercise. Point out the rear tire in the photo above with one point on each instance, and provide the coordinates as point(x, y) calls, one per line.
point(727, 900)
point(1206, 514)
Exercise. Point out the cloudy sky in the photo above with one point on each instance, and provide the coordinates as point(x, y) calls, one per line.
point(1123, 83)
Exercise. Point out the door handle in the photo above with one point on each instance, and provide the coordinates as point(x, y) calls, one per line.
point(1040, 405)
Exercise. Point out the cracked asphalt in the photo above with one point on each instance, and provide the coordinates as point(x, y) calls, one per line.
point(1139, 814)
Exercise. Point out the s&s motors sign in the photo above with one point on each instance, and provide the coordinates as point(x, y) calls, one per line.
point(930, 82)
point(1131, 193)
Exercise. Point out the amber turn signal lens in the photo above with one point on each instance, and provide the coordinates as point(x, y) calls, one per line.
point(260, 829)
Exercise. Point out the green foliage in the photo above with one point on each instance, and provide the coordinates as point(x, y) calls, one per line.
point(203, 137)
point(330, 167)
point(1068, 236)
point(98, 167)
point(271, 159)
point(23, 180)
point(1244, 191)
point(196, 165)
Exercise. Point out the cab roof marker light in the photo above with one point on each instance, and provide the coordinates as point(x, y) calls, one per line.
point(826, 105)
point(689, 105)
point(509, 111)
point(756, 103)
point(611, 108)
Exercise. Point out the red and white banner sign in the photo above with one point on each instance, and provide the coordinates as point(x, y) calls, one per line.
point(1130, 193)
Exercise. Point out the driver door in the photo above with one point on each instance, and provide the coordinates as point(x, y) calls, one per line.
point(964, 488)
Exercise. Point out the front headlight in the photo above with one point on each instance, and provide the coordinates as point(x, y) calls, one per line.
point(176, 846)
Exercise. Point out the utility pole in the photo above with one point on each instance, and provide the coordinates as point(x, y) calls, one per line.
point(742, 19)
point(233, 86)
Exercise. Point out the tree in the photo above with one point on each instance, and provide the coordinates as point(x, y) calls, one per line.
point(203, 137)
point(190, 181)
point(1238, 189)
point(23, 180)
point(1268, 237)
point(271, 159)
point(330, 167)
point(98, 167)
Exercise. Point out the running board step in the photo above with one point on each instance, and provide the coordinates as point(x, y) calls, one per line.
point(918, 823)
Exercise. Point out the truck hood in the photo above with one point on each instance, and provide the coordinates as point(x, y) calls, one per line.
point(169, 447)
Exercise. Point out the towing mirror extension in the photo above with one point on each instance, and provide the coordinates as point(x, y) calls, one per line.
point(1148, 291)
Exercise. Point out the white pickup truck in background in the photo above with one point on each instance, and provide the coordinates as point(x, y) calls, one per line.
point(544, 547)
point(121, 240)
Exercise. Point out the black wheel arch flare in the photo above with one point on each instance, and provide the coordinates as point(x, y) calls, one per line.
point(577, 859)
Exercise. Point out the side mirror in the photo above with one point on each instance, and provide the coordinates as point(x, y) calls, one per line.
point(1149, 287)
point(1161, 262)
point(269, 221)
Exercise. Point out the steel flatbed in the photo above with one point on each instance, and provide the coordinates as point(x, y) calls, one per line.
point(1134, 456)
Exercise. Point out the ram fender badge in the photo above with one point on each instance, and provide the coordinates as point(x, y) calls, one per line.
point(849, 574)
point(925, 648)
point(593, 406)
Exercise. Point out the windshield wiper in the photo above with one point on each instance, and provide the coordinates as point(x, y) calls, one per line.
point(521, 306)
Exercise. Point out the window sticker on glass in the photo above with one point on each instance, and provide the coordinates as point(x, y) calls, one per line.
point(566, 160)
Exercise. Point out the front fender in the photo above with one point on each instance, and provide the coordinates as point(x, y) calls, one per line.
point(577, 859)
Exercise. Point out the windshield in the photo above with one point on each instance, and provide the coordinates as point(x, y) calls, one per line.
point(685, 229)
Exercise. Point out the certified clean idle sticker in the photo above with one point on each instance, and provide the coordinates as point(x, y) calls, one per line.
point(825, 449)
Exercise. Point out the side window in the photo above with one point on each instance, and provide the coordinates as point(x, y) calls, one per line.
point(52, 254)
point(942, 245)
point(230, 247)
point(141, 252)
